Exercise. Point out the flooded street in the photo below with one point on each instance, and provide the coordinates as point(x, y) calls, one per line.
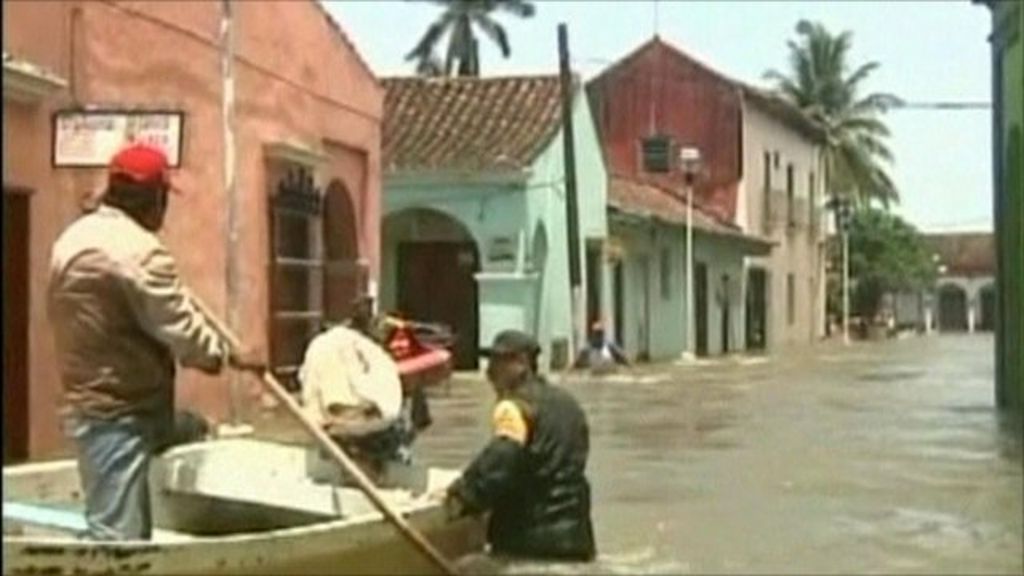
point(879, 458)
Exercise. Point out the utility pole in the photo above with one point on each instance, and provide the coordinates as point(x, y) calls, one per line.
point(844, 208)
point(572, 212)
point(846, 286)
point(230, 190)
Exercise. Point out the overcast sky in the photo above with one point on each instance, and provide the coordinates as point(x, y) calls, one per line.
point(929, 51)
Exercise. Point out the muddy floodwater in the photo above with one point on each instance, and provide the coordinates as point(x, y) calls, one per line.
point(877, 458)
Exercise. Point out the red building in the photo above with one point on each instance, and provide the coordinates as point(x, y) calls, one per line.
point(761, 177)
point(658, 91)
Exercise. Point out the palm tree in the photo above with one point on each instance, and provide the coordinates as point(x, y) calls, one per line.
point(821, 85)
point(460, 20)
point(430, 65)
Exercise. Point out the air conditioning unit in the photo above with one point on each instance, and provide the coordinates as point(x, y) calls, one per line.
point(657, 154)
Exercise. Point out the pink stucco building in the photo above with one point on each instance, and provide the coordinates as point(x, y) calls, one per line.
point(308, 119)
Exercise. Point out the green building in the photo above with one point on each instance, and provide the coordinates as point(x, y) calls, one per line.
point(474, 228)
point(1008, 118)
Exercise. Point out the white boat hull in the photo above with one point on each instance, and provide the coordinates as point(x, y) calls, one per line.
point(215, 491)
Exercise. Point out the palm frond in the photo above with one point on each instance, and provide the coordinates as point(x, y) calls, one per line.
point(879, 103)
point(852, 82)
point(428, 43)
point(862, 125)
point(494, 31)
point(820, 82)
point(520, 8)
point(457, 22)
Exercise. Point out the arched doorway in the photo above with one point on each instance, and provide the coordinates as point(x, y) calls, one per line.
point(952, 309)
point(432, 260)
point(344, 276)
point(987, 297)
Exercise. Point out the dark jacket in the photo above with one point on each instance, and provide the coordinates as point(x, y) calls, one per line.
point(536, 491)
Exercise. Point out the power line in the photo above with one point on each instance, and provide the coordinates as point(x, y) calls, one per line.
point(943, 106)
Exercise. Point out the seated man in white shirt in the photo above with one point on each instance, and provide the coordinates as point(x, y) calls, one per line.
point(352, 388)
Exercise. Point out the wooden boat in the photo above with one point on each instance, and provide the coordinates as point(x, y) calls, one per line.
point(232, 506)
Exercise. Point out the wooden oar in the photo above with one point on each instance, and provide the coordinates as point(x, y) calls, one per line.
point(339, 456)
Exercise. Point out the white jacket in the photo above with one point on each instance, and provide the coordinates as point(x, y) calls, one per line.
point(343, 368)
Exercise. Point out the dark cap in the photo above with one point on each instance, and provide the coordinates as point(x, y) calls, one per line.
point(511, 342)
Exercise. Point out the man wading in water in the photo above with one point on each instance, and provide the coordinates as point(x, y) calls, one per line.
point(531, 474)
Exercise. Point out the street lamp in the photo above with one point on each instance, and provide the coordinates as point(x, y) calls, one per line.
point(690, 161)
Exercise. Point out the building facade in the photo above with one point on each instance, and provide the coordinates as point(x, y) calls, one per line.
point(307, 122)
point(475, 232)
point(964, 296)
point(647, 227)
point(759, 271)
point(781, 199)
point(1008, 196)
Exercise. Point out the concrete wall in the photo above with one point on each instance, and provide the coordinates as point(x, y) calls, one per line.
point(653, 321)
point(723, 257)
point(799, 247)
point(547, 203)
point(660, 316)
point(297, 80)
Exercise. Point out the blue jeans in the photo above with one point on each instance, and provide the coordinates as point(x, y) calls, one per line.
point(113, 462)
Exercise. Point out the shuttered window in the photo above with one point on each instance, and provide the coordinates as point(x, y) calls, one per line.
point(297, 269)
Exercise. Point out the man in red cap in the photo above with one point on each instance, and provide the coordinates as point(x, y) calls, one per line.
point(122, 318)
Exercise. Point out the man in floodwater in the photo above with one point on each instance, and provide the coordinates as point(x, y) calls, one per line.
point(531, 476)
point(601, 355)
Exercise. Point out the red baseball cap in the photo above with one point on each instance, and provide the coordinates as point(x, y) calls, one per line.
point(142, 163)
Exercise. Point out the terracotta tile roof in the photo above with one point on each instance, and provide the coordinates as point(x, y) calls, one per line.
point(468, 124)
point(966, 253)
point(648, 200)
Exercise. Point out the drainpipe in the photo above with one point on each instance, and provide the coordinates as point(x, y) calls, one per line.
point(233, 283)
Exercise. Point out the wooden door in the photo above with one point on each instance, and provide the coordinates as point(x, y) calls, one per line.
point(757, 303)
point(644, 327)
point(15, 311)
point(700, 291)
point(726, 313)
point(436, 284)
point(618, 287)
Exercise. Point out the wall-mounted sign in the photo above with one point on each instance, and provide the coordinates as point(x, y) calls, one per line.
point(502, 249)
point(89, 138)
